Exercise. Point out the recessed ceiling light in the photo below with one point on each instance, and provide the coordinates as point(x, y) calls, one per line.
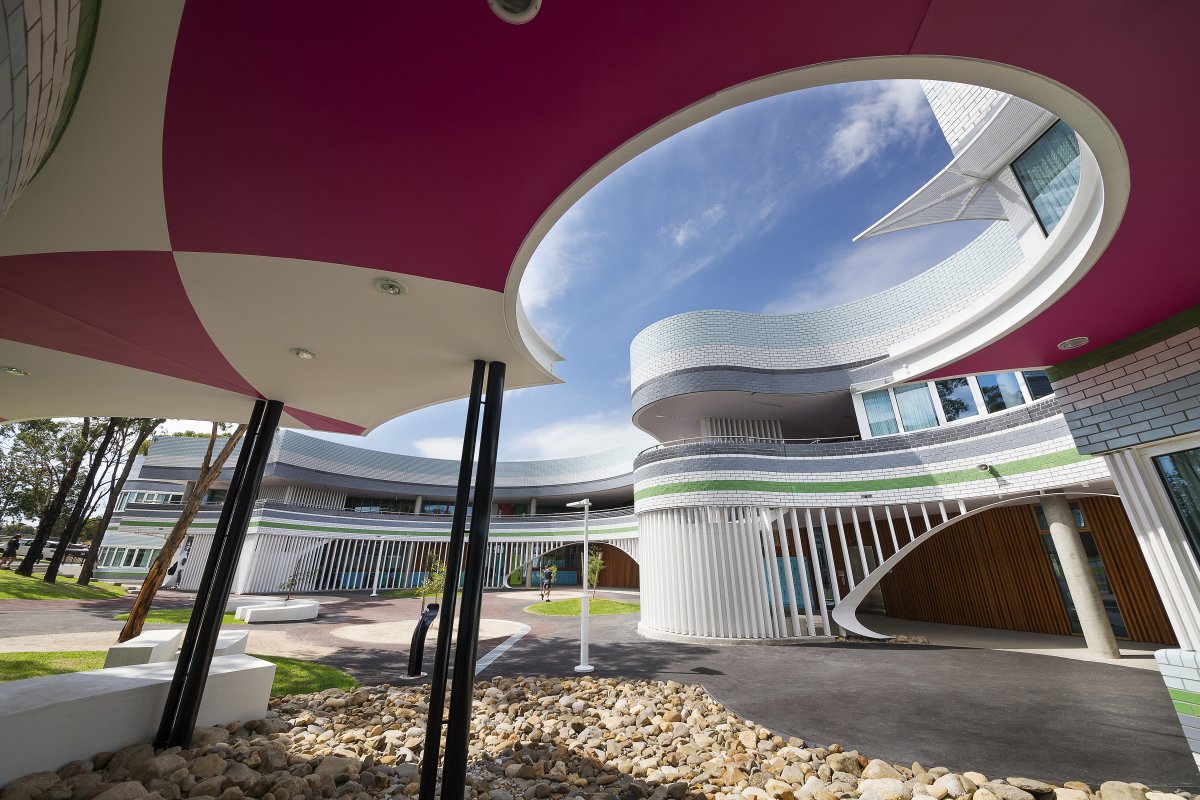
point(515, 11)
point(1073, 342)
point(16, 372)
point(390, 286)
point(302, 354)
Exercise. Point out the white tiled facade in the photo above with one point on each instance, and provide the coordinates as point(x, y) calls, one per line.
point(960, 108)
point(850, 333)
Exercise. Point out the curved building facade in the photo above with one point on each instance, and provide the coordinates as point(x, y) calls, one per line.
point(810, 465)
point(345, 518)
point(806, 455)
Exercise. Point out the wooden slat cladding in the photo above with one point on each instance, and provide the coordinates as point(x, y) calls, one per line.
point(989, 571)
point(1141, 607)
point(619, 571)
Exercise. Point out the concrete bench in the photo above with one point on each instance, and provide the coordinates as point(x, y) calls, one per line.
point(234, 603)
point(231, 643)
point(149, 648)
point(46, 722)
point(279, 611)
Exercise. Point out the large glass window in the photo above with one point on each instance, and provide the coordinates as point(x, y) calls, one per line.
point(1048, 172)
point(957, 400)
point(880, 416)
point(1000, 390)
point(380, 505)
point(1038, 384)
point(1181, 474)
point(916, 407)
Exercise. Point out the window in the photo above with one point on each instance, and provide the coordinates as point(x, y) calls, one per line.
point(1000, 390)
point(215, 496)
point(1038, 384)
point(916, 407)
point(380, 505)
point(1181, 474)
point(957, 400)
point(1048, 172)
point(880, 416)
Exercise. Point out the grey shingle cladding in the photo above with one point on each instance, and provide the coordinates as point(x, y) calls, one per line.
point(1025, 426)
point(745, 379)
point(1150, 415)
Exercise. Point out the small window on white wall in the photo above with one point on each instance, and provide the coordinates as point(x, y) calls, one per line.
point(916, 407)
point(1000, 391)
point(1038, 384)
point(957, 400)
point(880, 416)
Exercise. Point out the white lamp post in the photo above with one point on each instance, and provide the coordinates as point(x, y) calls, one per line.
point(583, 665)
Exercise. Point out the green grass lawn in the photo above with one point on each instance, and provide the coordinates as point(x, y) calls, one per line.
point(292, 676)
point(177, 616)
point(17, 666)
point(18, 587)
point(571, 608)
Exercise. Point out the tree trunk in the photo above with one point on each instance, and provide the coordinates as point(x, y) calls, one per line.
point(75, 523)
point(114, 492)
point(158, 570)
point(49, 517)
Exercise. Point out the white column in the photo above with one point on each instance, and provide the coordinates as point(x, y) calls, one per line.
point(417, 504)
point(1081, 584)
point(532, 505)
point(583, 665)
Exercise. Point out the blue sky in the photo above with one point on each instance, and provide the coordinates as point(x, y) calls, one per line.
point(752, 210)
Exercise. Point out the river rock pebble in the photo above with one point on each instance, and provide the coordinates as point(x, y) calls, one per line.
point(534, 739)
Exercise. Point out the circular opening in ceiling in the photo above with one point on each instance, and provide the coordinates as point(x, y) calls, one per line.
point(516, 12)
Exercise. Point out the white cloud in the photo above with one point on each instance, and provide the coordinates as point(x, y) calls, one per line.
point(576, 436)
point(867, 267)
point(692, 228)
point(440, 447)
point(697, 226)
point(558, 257)
point(890, 111)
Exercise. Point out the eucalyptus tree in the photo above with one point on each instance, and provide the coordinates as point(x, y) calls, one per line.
point(210, 469)
point(132, 437)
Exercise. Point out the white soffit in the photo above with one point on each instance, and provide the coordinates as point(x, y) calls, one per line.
point(377, 356)
point(961, 190)
point(103, 187)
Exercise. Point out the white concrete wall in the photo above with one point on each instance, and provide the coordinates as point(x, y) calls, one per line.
point(46, 722)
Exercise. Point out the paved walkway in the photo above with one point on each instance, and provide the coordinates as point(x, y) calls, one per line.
point(960, 702)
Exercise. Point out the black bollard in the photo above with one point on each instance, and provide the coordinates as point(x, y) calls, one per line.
point(416, 652)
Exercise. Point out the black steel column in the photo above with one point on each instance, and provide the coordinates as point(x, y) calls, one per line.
point(458, 726)
point(214, 609)
point(441, 661)
point(203, 591)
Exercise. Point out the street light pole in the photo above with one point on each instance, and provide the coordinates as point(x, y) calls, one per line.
point(583, 665)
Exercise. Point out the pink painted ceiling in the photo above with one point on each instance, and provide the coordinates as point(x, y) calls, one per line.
point(428, 139)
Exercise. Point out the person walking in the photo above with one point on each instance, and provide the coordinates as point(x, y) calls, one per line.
point(10, 551)
point(547, 581)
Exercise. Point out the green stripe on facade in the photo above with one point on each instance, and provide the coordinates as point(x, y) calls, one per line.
point(1186, 708)
point(1172, 326)
point(1184, 696)
point(294, 526)
point(1059, 459)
